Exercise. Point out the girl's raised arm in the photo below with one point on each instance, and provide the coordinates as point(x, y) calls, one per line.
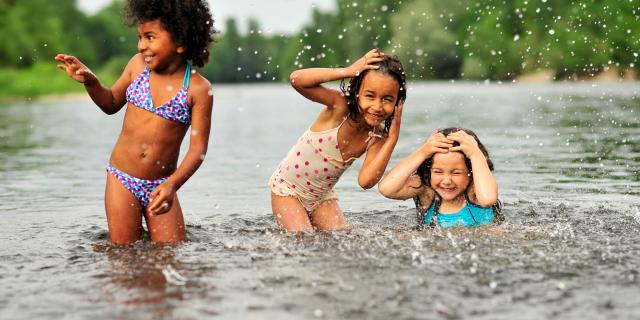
point(378, 155)
point(401, 183)
point(309, 81)
point(202, 101)
point(110, 100)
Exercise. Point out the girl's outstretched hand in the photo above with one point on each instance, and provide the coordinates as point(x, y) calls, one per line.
point(468, 144)
point(162, 198)
point(437, 143)
point(394, 130)
point(369, 61)
point(75, 69)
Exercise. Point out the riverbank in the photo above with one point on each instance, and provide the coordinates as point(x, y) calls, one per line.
point(44, 81)
point(40, 80)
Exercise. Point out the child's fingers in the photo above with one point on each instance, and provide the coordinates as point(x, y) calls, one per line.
point(458, 148)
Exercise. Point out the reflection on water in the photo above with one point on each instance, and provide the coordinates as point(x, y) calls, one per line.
point(566, 160)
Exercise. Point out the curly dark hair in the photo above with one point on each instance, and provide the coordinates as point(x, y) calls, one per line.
point(188, 21)
point(424, 170)
point(390, 65)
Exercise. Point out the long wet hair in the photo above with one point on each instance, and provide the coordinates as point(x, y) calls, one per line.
point(390, 65)
point(188, 21)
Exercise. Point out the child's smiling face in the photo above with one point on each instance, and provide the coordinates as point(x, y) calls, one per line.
point(156, 45)
point(377, 97)
point(449, 175)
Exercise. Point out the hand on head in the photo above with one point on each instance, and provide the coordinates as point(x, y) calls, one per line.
point(369, 61)
point(75, 69)
point(468, 145)
point(437, 143)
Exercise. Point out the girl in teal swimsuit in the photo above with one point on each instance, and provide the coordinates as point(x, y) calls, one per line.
point(163, 97)
point(449, 177)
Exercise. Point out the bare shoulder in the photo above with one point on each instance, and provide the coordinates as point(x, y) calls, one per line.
point(330, 117)
point(136, 65)
point(200, 88)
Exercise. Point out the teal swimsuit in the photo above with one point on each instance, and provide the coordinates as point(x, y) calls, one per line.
point(469, 216)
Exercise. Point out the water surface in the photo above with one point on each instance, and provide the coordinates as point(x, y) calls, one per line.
point(566, 158)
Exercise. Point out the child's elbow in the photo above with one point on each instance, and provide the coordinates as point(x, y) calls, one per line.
point(366, 183)
point(384, 190)
point(487, 202)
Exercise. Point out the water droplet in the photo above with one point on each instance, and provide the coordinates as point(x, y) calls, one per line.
point(552, 32)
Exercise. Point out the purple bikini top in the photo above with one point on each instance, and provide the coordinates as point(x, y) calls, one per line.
point(176, 109)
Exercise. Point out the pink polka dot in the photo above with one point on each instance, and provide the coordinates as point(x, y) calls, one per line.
point(274, 185)
point(319, 149)
point(296, 166)
point(316, 171)
point(298, 153)
point(320, 140)
point(293, 186)
point(306, 163)
point(281, 180)
point(311, 190)
point(330, 138)
point(325, 159)
point(325, 170)
point(328, 177)
point(308, 183)
point(297, 175)
point(316, 150)
point(337, 146)
point(306, 174)
point(309, 141)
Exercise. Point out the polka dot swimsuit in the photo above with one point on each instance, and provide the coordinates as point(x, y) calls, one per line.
point(311, 169)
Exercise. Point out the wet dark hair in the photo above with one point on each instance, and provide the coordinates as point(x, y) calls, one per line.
point(188, 21)
point(424, 170)
point(390, 65)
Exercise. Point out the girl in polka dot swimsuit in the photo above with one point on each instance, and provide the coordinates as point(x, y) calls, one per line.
point(363, 117)
point(163, 97)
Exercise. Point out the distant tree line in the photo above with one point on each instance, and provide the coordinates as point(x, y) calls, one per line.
point(437, 39)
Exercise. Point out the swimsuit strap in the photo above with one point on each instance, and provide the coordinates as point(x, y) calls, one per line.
point(187, 76)
point(420, 212)
point(436, 206)
point(468, 205)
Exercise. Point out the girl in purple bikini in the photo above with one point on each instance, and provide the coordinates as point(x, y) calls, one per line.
point(163, 96)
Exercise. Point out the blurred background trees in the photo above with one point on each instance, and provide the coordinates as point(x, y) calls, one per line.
point(435, 39)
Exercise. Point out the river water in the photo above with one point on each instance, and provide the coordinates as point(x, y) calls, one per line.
point(566, 158)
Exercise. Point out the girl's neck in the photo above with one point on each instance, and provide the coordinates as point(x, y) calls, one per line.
point(358, 124)
point(171, 68)
point(454, 205)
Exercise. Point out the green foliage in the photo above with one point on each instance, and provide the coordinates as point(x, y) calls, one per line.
point(435, 39)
